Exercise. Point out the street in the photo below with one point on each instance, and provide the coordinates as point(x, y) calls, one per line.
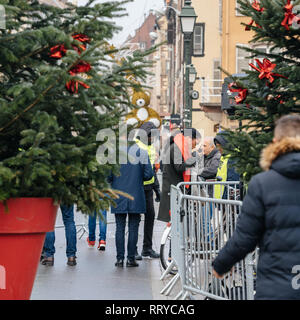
point(95, 277)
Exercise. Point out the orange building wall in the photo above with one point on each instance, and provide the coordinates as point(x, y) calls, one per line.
point(233, 33)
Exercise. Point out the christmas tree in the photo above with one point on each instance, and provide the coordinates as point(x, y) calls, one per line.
point(59, 85)
point(271, 88)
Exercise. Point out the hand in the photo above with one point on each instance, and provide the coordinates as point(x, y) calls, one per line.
point(218, 276)
point(157, 192)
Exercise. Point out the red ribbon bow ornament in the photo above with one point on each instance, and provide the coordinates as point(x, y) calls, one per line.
point(255, 6)
point(72, 86)
point(242, 93)
point(289, 16)
point(60, 50)
point(79, 68)
point(265, 70)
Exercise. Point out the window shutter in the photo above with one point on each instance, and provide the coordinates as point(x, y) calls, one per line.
point(242, 62)
point(171, 32)
point(198, 41)
point(217, 76)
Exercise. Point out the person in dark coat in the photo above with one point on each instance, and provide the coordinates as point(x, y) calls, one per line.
point(270, 218)
point(211, 159)
point(149, 186)
point(132, 176)
point(176, 164)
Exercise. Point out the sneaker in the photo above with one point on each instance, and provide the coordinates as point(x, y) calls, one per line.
point(72, 261)
point(91, 244)
point(131, 263)
point(101, 245)
point(151, 254)
point(119, 263)
point(138, 257)
point(47, 261)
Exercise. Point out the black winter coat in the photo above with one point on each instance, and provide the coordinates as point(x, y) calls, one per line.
point(270, 219)
point(172, 175)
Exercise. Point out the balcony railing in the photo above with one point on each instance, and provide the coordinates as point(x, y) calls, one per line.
point(210, 90)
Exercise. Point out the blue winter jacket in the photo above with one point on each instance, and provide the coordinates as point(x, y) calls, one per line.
point(131, 180)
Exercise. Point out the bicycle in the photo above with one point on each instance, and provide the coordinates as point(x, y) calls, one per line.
point(165, 250)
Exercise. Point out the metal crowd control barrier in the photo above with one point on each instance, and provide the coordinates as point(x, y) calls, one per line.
point(201, 225)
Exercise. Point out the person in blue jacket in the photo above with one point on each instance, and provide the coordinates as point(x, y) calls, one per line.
point(270, 218)
point(131, 180)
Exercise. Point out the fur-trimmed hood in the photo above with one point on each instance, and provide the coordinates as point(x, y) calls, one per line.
point(283, 156)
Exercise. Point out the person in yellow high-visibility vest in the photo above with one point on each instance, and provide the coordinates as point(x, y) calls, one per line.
point(225, 171)
point(149, 186)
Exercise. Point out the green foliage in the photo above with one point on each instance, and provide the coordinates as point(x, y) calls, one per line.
point(47, 134)
point(265, 102)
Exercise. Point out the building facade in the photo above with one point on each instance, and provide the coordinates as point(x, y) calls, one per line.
point(218, 41)
point(153, 31)
point(222, 40)
point(207, 57)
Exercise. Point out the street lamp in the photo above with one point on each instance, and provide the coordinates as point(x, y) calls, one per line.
point(187, 20)
point(192, 74)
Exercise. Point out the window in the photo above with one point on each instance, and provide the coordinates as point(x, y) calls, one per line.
point(242, 62)
point(142, 45)
point(163, 98)
point(264, 50)
point(238, 6)
point(167, 66)
point(198, 41)
point(217, 83)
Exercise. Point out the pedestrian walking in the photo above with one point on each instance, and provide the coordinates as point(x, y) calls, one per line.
point(71, 240)
point(270, 218)
point(178, 161)
point(150, 186)
point(131, 180)
point(91, 240)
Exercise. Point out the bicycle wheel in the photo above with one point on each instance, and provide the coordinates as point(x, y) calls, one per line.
point(165, 250)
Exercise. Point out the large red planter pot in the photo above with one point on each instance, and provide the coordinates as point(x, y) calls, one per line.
point(22, 234)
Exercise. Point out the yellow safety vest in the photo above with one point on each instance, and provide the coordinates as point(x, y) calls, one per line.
point(222, 172)
point(152, 154)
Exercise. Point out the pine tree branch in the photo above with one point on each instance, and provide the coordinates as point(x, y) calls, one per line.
point(42, 94)
point(28, 108)
point(35, 52)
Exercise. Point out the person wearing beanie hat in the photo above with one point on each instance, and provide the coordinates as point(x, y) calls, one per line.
point(149, 186)
point(226, 170)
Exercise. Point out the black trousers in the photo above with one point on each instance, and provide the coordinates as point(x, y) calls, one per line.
point(149, 221)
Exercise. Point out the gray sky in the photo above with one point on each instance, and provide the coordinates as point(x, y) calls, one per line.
point(136, 11)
